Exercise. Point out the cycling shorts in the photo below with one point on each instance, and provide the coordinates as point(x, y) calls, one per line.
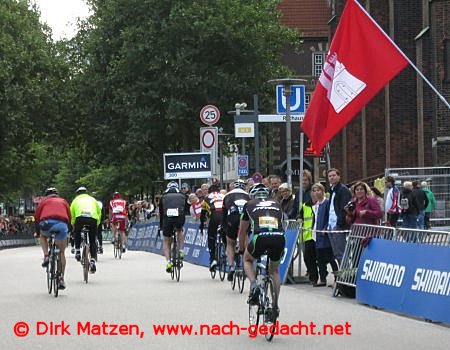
point(233, 222)
point(119, 222)
point(172, 223)
point(271, 243)
point(54, 225)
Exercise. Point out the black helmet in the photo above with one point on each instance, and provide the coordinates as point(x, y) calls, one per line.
point(239, 184)
point(259, 190)
point(213, 188)
point(81, 189)
point(51, 190)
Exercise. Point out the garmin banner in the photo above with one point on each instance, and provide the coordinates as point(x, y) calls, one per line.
point(187, 165)
point(406, 277)
point(144, 237)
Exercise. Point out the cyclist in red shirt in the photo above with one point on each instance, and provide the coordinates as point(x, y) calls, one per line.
point(53, 214)
point(118, 217)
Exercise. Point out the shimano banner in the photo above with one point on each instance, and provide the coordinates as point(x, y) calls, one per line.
point(406, 277)
point(145, 237)
point(187, 165)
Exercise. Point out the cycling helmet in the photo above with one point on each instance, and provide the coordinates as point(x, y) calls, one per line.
point(51, 190)
point(239, 184)
point(116, 195)
point(259, 190)
point(172, 184)
point(81, 189)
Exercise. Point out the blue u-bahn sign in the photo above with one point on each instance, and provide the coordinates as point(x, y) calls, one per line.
point(297, 100)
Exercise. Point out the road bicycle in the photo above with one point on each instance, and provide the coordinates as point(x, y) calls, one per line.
point(220, 257)
point(175, 259)
point(239, 273)
point(54, 265)
point(118, 244)
point(85, 252)
point(267, 306)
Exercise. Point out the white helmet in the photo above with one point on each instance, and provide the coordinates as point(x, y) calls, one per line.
point(259, 190)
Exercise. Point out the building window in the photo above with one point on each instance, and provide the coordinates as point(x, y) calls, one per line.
point(307, 100)
point(318, 60)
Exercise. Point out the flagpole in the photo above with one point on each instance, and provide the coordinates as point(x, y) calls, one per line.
point(442, 98)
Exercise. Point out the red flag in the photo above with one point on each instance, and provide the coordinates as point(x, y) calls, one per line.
point(361, 60)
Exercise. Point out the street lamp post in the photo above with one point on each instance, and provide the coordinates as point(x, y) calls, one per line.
point(239, 107)
point(287, 92)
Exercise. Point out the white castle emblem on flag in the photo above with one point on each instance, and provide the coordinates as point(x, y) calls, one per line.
point(341, 85)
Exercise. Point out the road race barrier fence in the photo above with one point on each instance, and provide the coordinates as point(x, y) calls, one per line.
point(18, 239)
point(404, 270)
point(144, 236)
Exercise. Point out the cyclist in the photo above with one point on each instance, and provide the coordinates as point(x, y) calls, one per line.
point(85, 211)
point(267, 235)
point(53, 214)
point(233, 204)
point(118, 218)
point(172, 217)
point(212, 208)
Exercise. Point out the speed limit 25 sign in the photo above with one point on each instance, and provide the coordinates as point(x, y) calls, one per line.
point(210, 115)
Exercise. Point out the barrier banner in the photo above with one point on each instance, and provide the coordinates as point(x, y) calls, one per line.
point(406, 277)
point(144, 236)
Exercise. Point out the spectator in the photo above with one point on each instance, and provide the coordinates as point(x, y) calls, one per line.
point(392, 205)
point(196, 206)
point(287, 200)
point(306, 193)
point(408, 203)
point(431, 204)
point(375, 192)
point(339, 197)
point(324, 253)
point(274, 183)
point(156, 201)
point(422, 203)
point(307, 217)
point(363, 209)
point(250, 183)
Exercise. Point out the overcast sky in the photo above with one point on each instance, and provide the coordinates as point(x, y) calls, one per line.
point(61, 15)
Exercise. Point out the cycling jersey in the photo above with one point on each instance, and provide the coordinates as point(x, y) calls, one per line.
point(118, 209)
point(172, 215)
point(265, 215)
point(85, 206)
point(233, 206)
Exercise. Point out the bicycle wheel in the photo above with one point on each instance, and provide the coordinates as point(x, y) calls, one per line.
point(241, 280)
point(57, 264)
point(177, 268)
point(120, 248)
point(270, 314)
point(222, 261)
point(49, 273)
point(173, 259)
point(85, 264)
point(116, 249)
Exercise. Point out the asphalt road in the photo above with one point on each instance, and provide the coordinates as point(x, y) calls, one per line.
point(136, 293)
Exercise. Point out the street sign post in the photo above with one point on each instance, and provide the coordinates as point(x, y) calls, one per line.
point(210, 115)
point(209, 137)
point(296, 100)
point(242, 168)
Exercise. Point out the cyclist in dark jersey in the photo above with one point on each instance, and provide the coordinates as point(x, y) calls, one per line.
point(233, 205)
point(264, 217)
point(172, 217)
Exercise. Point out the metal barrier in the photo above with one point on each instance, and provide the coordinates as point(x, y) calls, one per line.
point(355, 246)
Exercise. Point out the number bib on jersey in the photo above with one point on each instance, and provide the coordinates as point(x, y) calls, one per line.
point(172, 212)
point(118, 209)
point(268, 222)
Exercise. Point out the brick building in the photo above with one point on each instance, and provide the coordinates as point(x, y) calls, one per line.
point(405, 125)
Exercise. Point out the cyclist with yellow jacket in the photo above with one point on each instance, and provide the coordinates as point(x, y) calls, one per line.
point(85, 211)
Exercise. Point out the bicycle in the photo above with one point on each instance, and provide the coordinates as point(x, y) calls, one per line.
point(220, 257)
point(54, 265)
point(85, 252)
point(239, 273)
point(267, 305)
point(177, 262)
